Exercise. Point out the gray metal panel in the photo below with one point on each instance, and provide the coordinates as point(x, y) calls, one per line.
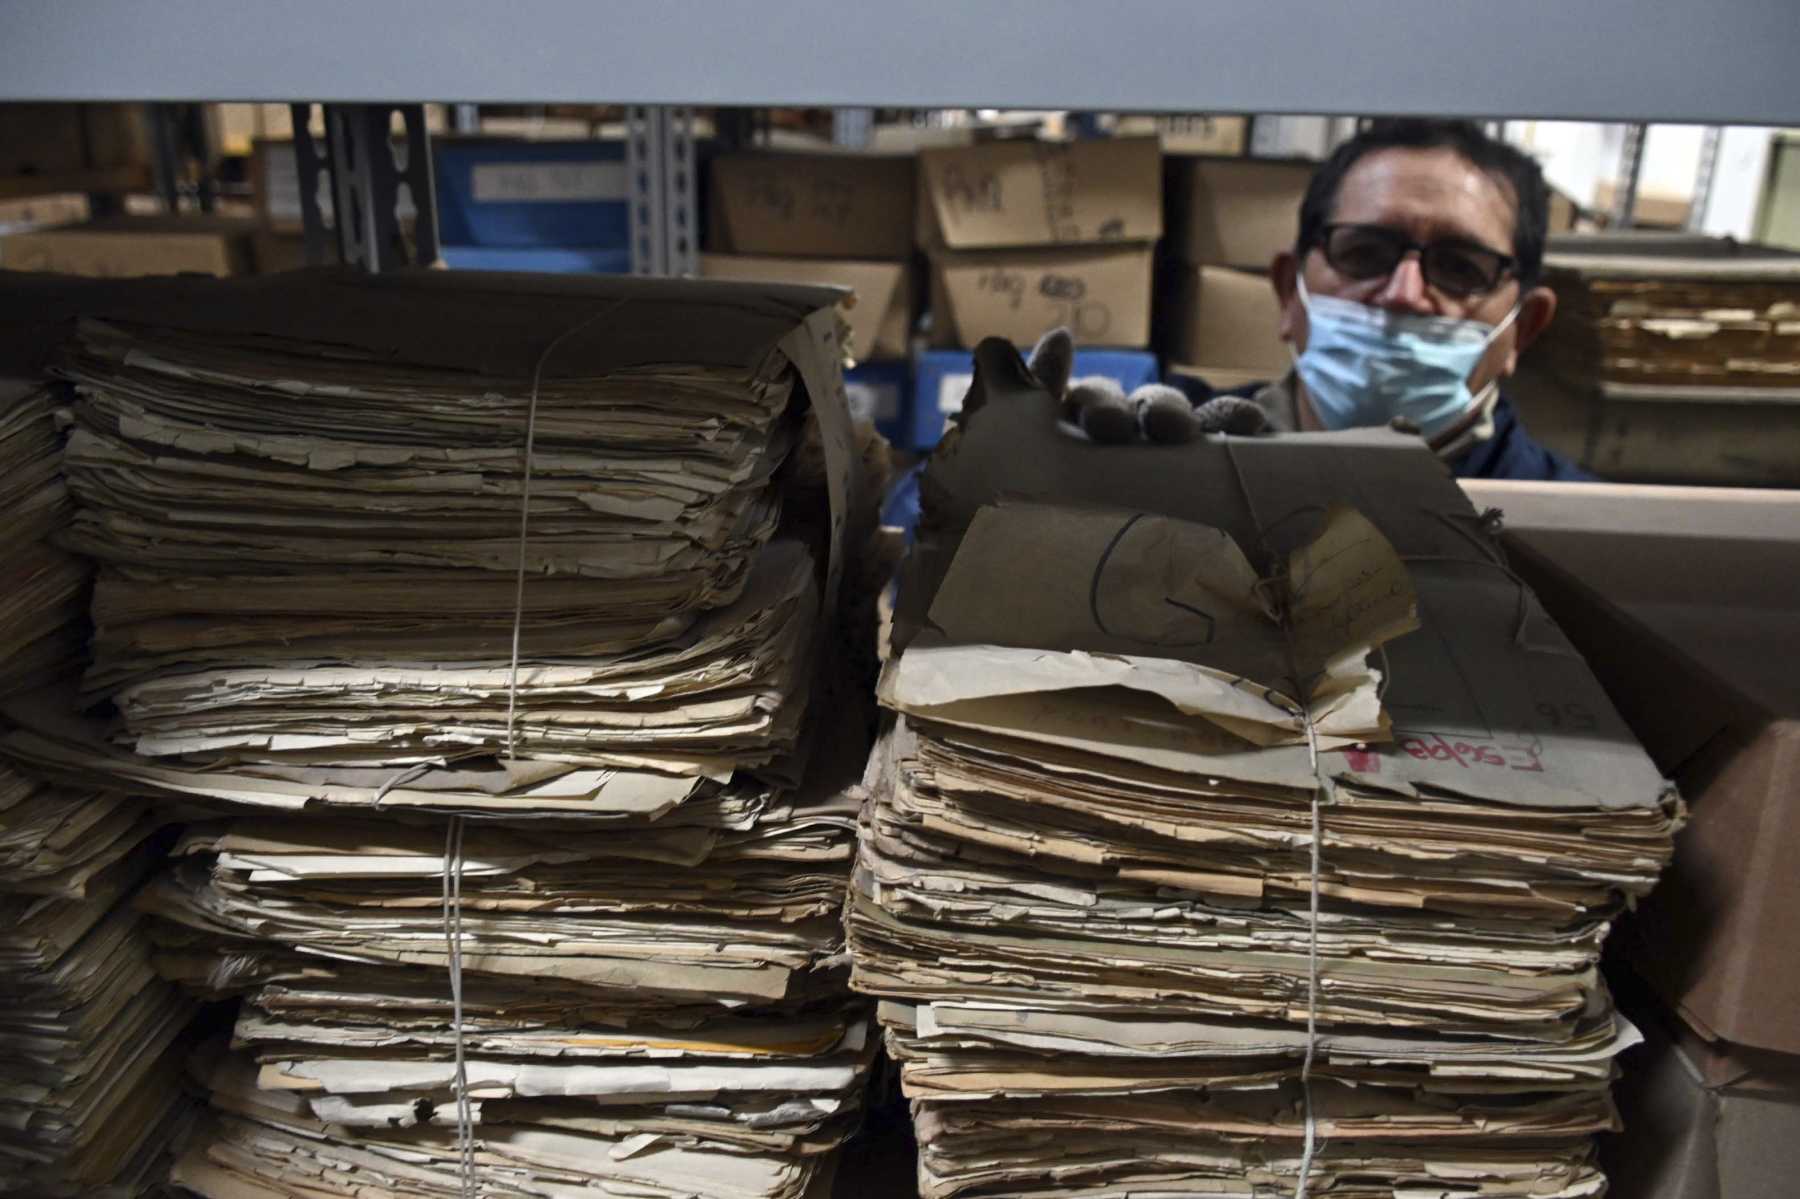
point(1720, 62)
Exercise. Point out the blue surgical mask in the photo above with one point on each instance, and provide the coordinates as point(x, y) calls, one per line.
point(1365, 366)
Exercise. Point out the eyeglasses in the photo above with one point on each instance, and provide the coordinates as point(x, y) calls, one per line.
point(1453, 266)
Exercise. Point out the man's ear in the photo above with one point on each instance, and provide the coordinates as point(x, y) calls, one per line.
point(1536, 311)
point(1282, 272)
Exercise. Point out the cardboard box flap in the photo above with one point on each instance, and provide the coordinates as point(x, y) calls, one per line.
point(1687, 1136)
point(487, 322)
point(1488, 699)
point(831, 205)
point(879, 307)
point(1032, 193)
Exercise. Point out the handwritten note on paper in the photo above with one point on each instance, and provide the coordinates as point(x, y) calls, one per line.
point(1347, 591)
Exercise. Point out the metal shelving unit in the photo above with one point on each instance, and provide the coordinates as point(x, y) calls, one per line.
point(1730, 61)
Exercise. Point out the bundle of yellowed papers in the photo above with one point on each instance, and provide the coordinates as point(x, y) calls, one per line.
point(91, 1043)
point(44, 594)
point(570, 928)
point(1112, 958)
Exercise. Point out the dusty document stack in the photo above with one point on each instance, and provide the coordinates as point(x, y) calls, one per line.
point(89, 1053)
point(43, 598)
point(558, 924)
point(91, 1046)
point(1259, 835)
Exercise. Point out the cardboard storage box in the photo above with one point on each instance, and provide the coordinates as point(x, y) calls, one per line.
point(1033, 193)
point(812, 205)
point(1102, 293)
point(1686, 603)
point(942, 378)
point(1191, 133)
point(1704, 1123)
point(48, 140)
point(116, 247)
point(36, 212)
point(880, 311)
point(1226, 320)
point(1236, 211)
point(1028, 235)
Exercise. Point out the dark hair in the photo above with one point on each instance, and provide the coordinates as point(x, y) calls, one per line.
point(1514, 168)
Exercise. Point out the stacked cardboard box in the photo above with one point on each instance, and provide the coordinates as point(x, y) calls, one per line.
point(74, 147)
point(1187, 875)
point(1683, 599)
point(1024, 236)
point(1228, 219)
point(582, 929)
point(1672, 359)
point(839, 219)
point(123, 247)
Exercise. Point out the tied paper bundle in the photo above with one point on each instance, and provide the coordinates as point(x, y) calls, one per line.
point(91, 1044)
point(618, 966)
point(1191, 873)
point(660, 1006)
point(43, 601)
point(311, 557)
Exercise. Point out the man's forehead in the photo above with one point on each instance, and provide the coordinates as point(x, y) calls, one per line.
point(1429, 193)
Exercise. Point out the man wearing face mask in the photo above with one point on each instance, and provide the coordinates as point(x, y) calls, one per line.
point(1411, 291)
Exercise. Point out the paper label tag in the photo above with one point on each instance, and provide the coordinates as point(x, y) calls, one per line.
point(548, 182)
point(951, 390)
point(874, 402)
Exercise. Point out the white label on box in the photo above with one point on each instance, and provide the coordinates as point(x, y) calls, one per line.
point(951, 390)
point(875, 402)
point(548, 182)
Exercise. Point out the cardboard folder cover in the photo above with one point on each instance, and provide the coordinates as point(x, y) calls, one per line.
point(1684, 601)
point(124, 246)
point(1032, 193)
point(1237, 212)
point(1101, 293)
point(879, 309)
point(823, 205)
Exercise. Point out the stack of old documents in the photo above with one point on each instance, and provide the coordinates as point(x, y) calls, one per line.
point(1245, 823)
point(43, 601)
point(90, 1050)
point(1674, 358)
point(566, 928)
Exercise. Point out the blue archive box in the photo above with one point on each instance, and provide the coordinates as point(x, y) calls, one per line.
point(943, 378)
point(880, 392)
point(525, 193)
